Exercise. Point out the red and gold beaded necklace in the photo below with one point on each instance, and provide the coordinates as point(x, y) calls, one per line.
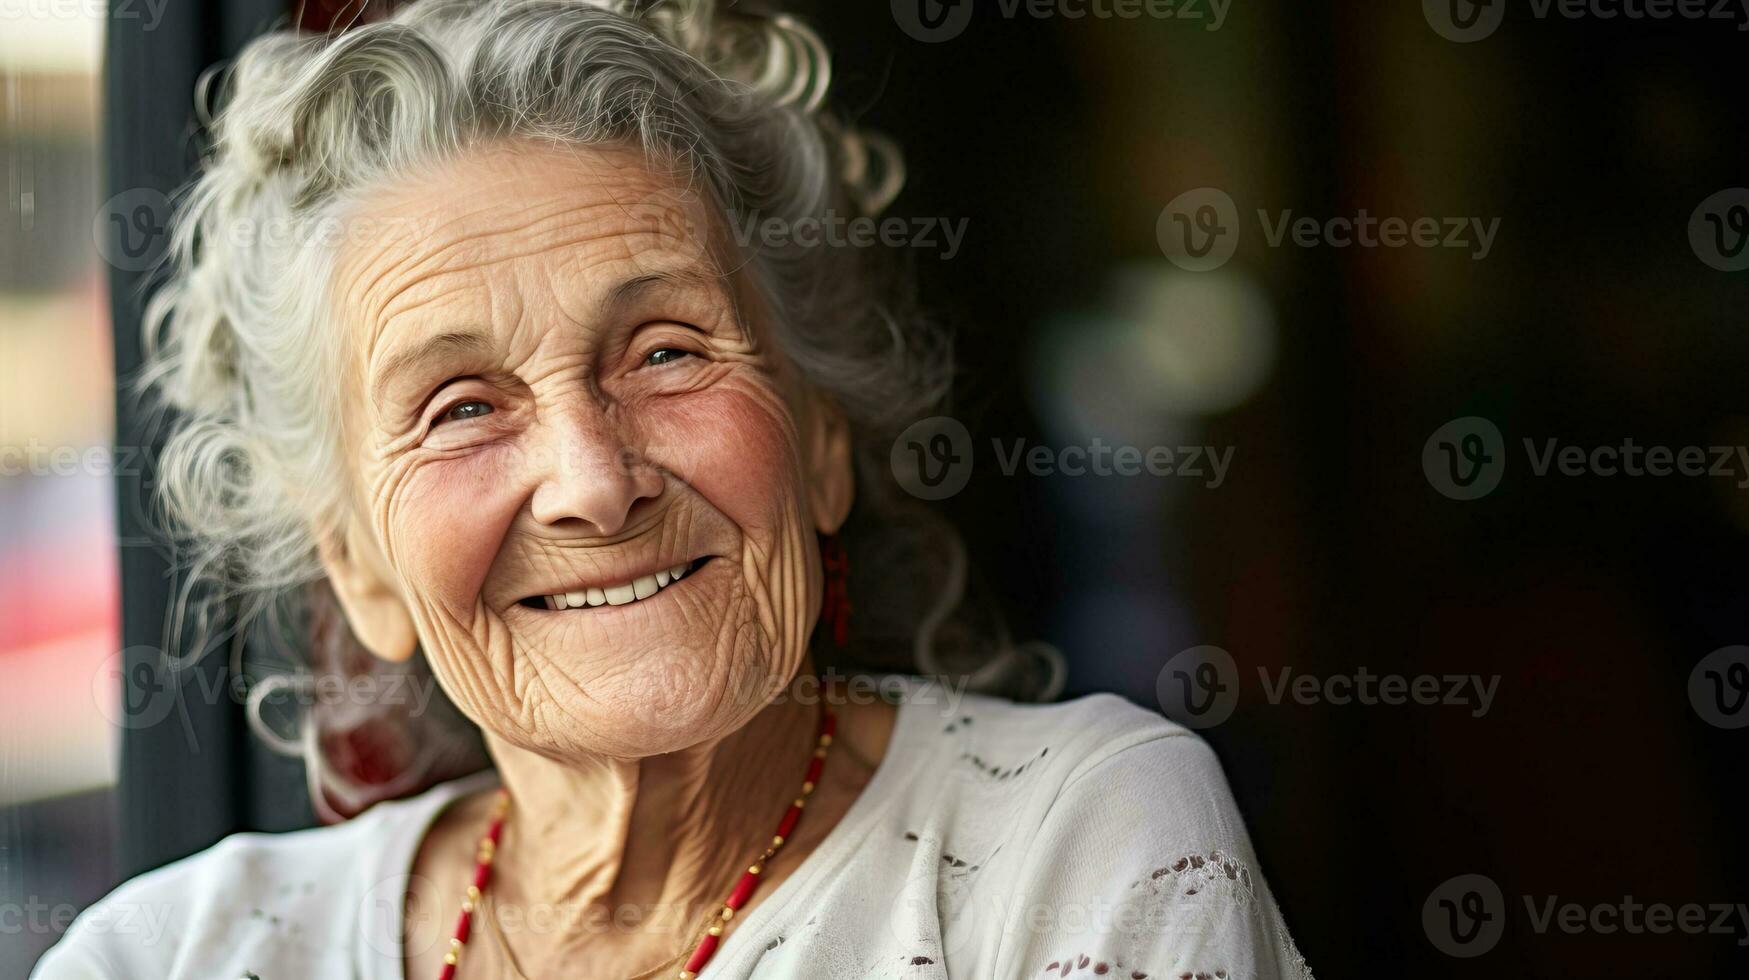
point(713, 934)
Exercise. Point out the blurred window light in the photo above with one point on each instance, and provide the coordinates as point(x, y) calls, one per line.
point(58, 571)
point(58, 36)
point(1165, 347)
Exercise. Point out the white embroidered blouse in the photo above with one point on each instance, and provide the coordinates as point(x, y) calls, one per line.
point(1085, 839)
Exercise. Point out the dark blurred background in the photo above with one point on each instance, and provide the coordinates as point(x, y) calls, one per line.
point(1328, 548)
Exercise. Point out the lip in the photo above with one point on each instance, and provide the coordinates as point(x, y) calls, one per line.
point(535, 602)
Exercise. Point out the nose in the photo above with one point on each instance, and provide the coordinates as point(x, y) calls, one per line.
point(592, 473)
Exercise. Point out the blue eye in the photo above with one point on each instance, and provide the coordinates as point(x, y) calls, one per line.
point(466, 410)
point(666, 355)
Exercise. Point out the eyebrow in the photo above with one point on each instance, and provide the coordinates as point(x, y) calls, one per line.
point(630, 290)
point(443, 345)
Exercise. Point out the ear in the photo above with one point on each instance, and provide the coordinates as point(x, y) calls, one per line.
point(362, 582)
point(831, 481)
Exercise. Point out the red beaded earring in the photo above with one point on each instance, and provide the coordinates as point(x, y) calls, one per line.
point(835, 610)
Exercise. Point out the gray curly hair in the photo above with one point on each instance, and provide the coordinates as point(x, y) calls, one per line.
point(251, 474)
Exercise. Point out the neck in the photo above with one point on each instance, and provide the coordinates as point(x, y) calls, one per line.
point(662, 836)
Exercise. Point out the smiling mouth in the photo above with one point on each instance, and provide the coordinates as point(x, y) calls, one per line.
point(626, 593)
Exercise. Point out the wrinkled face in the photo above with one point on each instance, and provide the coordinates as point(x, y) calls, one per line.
point(583, 477)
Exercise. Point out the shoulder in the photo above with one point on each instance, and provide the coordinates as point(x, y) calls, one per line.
point(1081, 744)
point(266, 894)
point(1093, 833)
point(1137, 767)
point(1098, 760)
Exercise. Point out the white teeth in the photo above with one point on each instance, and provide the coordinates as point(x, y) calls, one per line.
point(641, 587)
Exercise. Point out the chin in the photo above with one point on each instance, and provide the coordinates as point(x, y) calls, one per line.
point(698, 684)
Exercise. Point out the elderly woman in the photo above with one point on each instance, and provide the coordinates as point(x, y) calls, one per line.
point(465, 320)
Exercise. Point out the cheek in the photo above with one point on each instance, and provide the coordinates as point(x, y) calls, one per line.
point(736, 447)
point(445, 521)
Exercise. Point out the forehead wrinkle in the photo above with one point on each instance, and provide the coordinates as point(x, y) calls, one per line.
point(468, 189)
point(472, 252)
point(426, 291)
point(421, 276)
